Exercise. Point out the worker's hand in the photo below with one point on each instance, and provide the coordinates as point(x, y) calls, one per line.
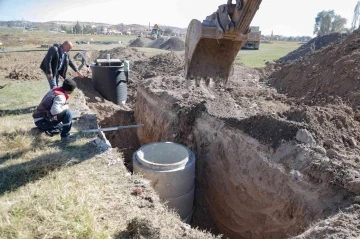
point(79, 74)
point(50, 76)
point(53, 118)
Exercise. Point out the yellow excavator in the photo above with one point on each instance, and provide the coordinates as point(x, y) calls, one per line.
point(155, 32)
point(211, 46)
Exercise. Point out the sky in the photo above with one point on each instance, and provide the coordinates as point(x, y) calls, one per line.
point(283, 17)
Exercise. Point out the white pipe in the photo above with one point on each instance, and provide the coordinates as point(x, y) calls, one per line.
point(112, 128)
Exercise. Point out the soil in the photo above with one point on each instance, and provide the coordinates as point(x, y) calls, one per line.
point(288, 107)
point(21, 66)
point(317, 93)
point(159, 65)
point(122, 53)
point(157, 42)
point(173, 44)
point(313, 45)
point(328, 76)
point(141, 42)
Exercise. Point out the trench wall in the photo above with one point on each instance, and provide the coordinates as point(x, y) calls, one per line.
point(250, 189)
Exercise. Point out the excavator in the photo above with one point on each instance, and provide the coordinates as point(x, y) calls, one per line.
point(211, 46)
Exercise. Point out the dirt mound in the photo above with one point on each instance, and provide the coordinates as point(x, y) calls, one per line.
point(173, 44)
point(22, 66)
point(330, 75)
point(121, 53)
point(140, 42)
point(313, 45)
point(169, 64)
point(20, 75)
point(157, 42)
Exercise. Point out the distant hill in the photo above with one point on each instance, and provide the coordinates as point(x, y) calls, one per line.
point(56, 24)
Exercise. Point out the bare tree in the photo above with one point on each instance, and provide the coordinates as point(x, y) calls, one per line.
point(356, 17)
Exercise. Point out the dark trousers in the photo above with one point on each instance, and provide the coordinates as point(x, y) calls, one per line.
point(83, 62)
point(62, 125)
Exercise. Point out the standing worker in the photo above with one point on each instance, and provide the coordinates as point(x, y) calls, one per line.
point(83, 60)
point(52, 115)
point(56, 63)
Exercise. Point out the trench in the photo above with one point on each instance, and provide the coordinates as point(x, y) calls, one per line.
point(127, 142)
point(249, 183)
point(243, 188)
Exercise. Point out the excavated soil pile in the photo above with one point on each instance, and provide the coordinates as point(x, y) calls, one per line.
point(141, 42)
point(173, 44)
point(330, 75)
point(22, 66)
point(159, 65)
point(157, 42)
point(20, 75)
point(123, 53)
point(313, 45)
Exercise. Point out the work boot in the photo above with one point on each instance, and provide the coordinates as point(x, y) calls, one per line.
point(69, 138)
point(53, 132)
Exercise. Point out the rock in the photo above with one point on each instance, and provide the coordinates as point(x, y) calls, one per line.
point(352, 141)
point(354, 186)
point(332, 153)
point(186, 95)
point(101, 144)
point(357, 117)
point(137, 191)
point(306, 137)
point(357, 199)
point(329, 143)
point(149, 74)
point(320, 150)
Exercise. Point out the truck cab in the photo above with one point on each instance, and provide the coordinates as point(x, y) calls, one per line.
point(253, 41)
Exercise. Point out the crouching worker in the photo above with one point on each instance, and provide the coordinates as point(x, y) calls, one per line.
point(52, 115)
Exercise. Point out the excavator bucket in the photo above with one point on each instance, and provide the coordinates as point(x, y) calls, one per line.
point(212, 46)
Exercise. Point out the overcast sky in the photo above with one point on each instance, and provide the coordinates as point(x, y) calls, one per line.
point(284, 17)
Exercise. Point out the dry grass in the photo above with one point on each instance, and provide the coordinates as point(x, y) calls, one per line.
point(54, 190)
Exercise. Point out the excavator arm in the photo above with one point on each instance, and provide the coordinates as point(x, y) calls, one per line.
point(211, 46)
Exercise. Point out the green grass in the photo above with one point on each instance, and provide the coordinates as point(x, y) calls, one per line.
point(54, 190)
point(41, 192)
point(10, 30)
point(267, 52)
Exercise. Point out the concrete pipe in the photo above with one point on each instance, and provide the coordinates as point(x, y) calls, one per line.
point(171, 169)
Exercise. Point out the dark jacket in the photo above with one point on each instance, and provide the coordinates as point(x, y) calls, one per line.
point(51, 62)
point(43, 109)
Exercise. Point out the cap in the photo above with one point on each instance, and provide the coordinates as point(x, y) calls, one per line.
point(69, 85)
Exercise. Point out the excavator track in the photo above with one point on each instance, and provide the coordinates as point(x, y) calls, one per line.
point(212, 46)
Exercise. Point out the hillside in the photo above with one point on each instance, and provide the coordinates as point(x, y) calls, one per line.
point(56, 24)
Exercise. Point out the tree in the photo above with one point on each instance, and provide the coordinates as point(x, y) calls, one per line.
point(63, 28)
point(168, 31)
point(77, 28)
point(327, 22)
point(356, 17)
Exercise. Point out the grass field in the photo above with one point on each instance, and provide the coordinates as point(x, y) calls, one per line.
point(31, 40)
point(267, 52)
point(53, 190)
point(43, 193)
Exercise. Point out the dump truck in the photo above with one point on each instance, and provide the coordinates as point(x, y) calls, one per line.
point(212, 45)
point(253, 41)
